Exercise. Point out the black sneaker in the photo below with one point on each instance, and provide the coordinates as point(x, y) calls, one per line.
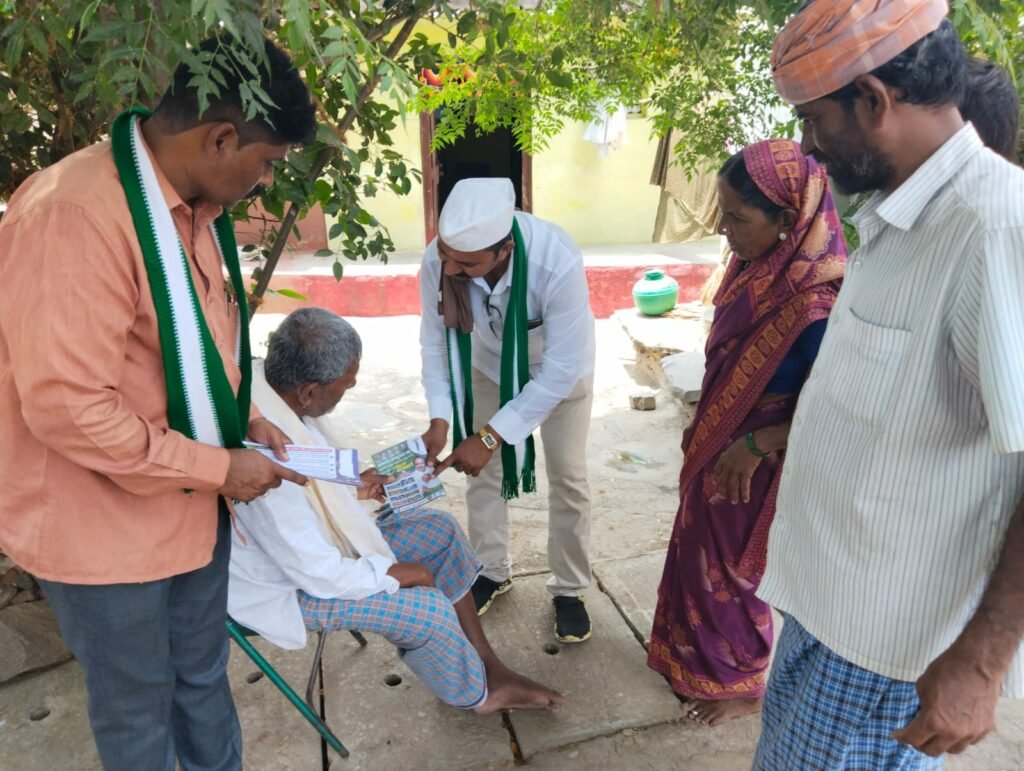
point(572, 622)
point(485, 591)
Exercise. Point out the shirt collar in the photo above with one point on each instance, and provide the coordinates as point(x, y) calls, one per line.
point(503, 283)
point(905, 204)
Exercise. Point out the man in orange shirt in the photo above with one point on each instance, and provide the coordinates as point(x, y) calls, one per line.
point(124, 397)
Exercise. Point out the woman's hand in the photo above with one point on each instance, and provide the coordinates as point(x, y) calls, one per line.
point(373, 486)
point(733, 471)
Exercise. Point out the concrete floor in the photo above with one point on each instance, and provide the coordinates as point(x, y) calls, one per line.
point(619, 716)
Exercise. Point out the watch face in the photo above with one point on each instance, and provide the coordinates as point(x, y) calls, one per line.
point(489, 441)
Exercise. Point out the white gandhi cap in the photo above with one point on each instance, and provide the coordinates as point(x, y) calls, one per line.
point(477, 214)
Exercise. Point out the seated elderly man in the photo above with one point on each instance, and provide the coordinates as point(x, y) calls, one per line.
point(312, 558)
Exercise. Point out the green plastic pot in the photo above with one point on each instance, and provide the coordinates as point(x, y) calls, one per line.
point(655, 293)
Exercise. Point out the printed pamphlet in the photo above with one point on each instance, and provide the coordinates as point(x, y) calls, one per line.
point(407, 462)
point(331, 464)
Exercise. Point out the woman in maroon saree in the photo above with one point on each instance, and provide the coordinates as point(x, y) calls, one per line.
point(712, 636)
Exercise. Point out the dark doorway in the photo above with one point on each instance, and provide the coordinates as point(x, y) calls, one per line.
point(479, 155)
point(475, 155)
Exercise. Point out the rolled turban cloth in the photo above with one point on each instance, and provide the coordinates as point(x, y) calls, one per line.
point(830, 43)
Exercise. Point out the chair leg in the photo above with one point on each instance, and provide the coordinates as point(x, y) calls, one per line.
point(310, 714)
point(359, 637)
point(321, 638)
point(317, 673)
point(325, 761)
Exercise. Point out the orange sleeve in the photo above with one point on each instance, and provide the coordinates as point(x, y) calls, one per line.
point(71, 295)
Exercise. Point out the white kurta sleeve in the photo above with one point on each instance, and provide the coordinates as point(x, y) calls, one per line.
point(433, 346)
point(568, 351)
point(290, 533)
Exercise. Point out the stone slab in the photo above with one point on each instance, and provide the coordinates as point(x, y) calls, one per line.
point(685, 745)
point(682, 374)
point(669, 747)
point(62, 739)
point(632, 585)
point(662, 335)
point(609, 685)
point(29, 639)
point(401, 726)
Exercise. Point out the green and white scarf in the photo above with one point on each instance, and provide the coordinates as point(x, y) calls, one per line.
point(200, 401)
point(517, 461)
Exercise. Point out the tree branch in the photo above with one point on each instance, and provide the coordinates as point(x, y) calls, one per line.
point(327, 153)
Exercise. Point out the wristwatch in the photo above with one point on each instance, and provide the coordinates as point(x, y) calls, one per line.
point(489, 439)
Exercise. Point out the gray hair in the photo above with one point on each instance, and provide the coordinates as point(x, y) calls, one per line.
point(312, 345)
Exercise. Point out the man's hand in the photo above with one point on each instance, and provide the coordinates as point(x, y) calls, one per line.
point(435, 438)
point(411, 574)
point(469, 457)
point(373, 486)
point(263, 431)
point(733, 471)
point(958, 704)
point(251, 474)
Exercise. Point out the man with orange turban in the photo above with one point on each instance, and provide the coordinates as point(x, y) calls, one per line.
point(897, 550)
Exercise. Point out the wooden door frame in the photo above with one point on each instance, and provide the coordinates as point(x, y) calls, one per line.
point(428, 163)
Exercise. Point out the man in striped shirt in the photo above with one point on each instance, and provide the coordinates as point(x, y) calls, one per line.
point(897, 553)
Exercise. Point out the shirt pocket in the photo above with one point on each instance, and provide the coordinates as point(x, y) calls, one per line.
point(867, 362)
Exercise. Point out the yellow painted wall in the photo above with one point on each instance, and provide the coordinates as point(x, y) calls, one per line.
point(402, 214)
point(597, 200)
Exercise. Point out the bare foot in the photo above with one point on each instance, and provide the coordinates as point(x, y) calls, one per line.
point(509, 690)
point(721, 710)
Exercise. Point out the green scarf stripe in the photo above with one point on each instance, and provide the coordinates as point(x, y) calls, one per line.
point(127, 169)
point(515, 366)
point(224, 227)
point(218, 387)
point(232, 421)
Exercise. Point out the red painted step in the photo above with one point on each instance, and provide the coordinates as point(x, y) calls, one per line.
point(394, 290)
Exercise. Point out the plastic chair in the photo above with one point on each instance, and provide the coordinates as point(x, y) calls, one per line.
point(316, 718)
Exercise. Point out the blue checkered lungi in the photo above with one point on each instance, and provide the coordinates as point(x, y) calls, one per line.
point(823, 713)
point(420, 621)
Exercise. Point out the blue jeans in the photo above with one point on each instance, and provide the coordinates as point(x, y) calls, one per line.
point(155, 658)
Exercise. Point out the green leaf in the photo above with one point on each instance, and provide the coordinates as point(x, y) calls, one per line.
point(105, 30)
point(38, 40)
point(559, 78)
point(338, 270)
point(467, 23)
point(292, 294)
point(88, 13)
point(323, 253)
point(337, 48)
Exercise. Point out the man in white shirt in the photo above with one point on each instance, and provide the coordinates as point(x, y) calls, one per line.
point(312, 558)
point(507, 335)
point(897, 551)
